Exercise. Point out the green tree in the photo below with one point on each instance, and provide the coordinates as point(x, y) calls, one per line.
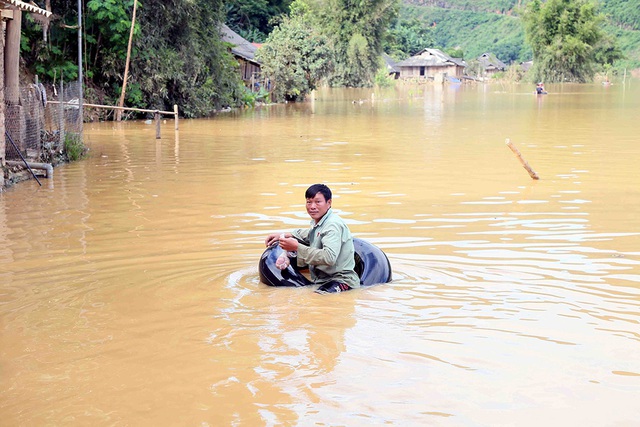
point(356, 30)
point(181, 59)
point(407, 38)
point(563, 35)
point(295, 57)
point(253, 19)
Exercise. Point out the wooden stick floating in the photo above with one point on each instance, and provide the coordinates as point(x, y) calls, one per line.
point(532, 173)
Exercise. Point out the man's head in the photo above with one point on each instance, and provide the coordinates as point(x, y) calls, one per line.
point(318, 201)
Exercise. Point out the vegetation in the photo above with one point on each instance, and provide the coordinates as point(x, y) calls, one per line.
point(178, 57)
point(339, 40)
point(181, 59)
point(356, 31)
point(295, 58)
point(74, 149)
point(475, 32)
point(407, 37)
point(254, 19)
point(565, 36)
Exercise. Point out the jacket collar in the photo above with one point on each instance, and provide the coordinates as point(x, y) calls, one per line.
point(322, 220)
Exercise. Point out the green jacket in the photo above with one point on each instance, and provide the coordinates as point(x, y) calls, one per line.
point(327, 248)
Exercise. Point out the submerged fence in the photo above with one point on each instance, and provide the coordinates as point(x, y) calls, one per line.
point(38, 128)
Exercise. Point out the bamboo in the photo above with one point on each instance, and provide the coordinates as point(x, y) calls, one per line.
point(126, 67)
point(522, 161)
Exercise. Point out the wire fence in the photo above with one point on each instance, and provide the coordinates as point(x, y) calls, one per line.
point(39, 129)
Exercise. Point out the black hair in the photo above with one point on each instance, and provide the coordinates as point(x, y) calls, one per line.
point(318, 188)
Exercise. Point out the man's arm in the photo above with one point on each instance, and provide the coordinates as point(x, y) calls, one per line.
point(328, 254)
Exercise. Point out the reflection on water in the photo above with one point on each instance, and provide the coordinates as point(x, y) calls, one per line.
point(129, 293)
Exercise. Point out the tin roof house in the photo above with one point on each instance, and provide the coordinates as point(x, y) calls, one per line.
point(431, 64)
point(244, 52)
point(490, 64)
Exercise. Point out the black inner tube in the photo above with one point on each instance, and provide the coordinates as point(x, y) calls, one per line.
point(372, 266)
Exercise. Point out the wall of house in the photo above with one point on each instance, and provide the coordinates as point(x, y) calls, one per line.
point(433, 72)
point(247, 70)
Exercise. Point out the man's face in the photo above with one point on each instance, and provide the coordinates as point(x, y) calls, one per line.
point(318, 206)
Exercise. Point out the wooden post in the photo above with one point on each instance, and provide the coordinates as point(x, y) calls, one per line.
point(12, 59)
point(156, 116)
point(522, 161)
point(175, 112)
point(14, 116)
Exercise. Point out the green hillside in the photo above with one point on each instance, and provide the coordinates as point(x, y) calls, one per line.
point(494, 26)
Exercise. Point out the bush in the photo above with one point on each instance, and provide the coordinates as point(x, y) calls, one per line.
point(73, 147)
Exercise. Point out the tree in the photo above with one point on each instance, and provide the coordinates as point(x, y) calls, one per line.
point(253, 19)
point(407, 38)
point(295, 57)
point(563, 35)
point(356, 30)
point(181, 59)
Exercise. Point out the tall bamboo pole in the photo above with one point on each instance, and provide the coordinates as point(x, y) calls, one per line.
point(126, 67)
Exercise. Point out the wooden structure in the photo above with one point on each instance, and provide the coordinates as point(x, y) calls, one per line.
point(157, 114)
point(244, 52)
point(490, 64)
point(432, 64)
point(11, 12)
point(390, 64)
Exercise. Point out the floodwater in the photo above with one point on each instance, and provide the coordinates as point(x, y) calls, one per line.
point(129, 291)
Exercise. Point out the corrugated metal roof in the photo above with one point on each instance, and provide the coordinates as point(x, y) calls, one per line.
point(390, 63)
point(27, 7)
point(431, 58)
point(489, 60)
point(241, 47)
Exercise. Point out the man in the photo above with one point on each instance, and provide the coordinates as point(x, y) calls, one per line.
point(326, 247)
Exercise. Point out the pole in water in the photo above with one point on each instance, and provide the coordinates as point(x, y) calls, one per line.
point(513, 148)
point(23, 159)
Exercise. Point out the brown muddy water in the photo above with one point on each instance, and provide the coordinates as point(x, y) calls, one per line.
point(129, 291)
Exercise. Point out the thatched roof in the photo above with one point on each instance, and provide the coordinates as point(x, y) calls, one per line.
point(431, 58)
point(241, 47)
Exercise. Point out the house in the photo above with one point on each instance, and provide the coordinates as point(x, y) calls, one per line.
point(11, 12)
point(490, 64)
point(432, 64)
point(244, 52)
point(390, 64)
point(526, 66)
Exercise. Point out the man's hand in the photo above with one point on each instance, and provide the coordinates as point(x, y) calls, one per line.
point(271, 239)
point(288, 243)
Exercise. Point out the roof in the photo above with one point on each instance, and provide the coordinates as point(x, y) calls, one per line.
point(431, 58)
point(390, 63)
point(241, 47)
point(27, 7)
point(526, 65)
point(490, 61)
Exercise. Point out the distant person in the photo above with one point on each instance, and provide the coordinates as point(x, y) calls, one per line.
point(326, 247)
point(540, 89)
